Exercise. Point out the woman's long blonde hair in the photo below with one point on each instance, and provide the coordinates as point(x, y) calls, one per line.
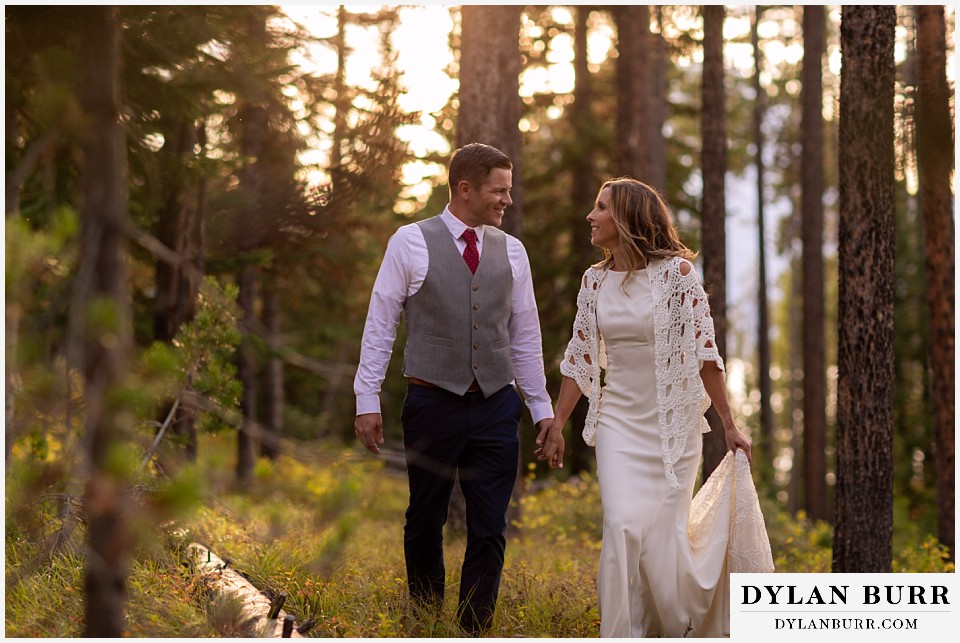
point(646, 229)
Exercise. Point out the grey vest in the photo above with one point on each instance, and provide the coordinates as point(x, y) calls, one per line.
point(457, 323)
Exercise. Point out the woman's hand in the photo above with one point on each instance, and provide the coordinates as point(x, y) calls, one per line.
point(713, 383)
point(551, 443)
point(737, 440)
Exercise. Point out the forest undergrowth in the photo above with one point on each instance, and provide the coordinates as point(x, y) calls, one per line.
point(326, 529)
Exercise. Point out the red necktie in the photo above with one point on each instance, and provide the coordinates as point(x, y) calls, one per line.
point(470, 254)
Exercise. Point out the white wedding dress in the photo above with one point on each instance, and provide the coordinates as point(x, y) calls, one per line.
point(666, 557)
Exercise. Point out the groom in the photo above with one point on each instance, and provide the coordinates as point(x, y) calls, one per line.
point(465, 290)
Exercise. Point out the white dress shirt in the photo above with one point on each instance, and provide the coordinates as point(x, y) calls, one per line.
point(401, 275)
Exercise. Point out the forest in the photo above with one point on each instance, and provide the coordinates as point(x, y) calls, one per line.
point(197, 202)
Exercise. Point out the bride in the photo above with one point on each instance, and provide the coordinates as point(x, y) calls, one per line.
point(643, 317)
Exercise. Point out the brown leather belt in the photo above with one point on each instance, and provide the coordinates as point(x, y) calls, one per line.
point(419, 382)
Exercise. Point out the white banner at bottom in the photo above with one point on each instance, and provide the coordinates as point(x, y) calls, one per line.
point(848, 607)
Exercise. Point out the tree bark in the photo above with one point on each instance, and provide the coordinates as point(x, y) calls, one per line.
point(811, 207)
point(489, 96)
point(713, 230)
point(253, 117)
point(489, 113)
point(247, 373)
point(102, 301)
point(223, 581)
point(631, 68)
point(763, 316)
point(657, 144)
point(178, 284)
point(583, 191)
point(273, 380)
point(935, 163)
point(640, 148)
point(865, 357)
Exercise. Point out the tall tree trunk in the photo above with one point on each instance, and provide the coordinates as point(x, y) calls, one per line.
point(253, 117)
point(634, 81)
point(178, 284)
point(583, 191)
point(247, 373)
point(106, 334)
point(342, 102)
point(489, 95)
point(864, 494)
point(273, 380)
point(935, 161)
point(489, 113)
point(713, 227)
point(636, 97)
point(657, 144)
point(811, 207)
point(793, 384)
point(763, 316)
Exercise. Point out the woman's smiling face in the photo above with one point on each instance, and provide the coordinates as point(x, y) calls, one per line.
point(603, 231)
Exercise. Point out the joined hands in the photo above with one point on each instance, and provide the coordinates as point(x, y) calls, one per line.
point(550, 443)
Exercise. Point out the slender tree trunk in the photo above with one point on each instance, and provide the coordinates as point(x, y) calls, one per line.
point(178, 285)
point(811, 207)
point(864, 494)
point(253, 132)
point(657, 144)
point(794, 385)
point(103, 302)
point(490, 104)
point(714, 238)
point(763, 317)
point(583, 188)
point(639, 130)
point(342, 103)
point(247, 373)
point(935, 161)
point(273, 398)
point(489, 113)
point(630, 86)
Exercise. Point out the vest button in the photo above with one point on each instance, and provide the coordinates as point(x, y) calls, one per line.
point(476, 306)
point(476, 327)
point(476, 347)
point(475, 287)
point(476, 366)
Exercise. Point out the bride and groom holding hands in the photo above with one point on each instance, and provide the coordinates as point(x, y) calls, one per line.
point(465, 290)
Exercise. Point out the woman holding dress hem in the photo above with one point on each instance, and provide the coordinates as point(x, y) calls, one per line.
point(643, 318)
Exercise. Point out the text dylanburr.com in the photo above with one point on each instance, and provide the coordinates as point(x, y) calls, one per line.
point(856, 607)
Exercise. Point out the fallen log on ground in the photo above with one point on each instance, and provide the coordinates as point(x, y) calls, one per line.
point(256, 609)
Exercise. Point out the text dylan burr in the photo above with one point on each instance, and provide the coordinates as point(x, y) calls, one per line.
point(837, 595)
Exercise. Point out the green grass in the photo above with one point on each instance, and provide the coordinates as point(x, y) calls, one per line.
point(327, 530)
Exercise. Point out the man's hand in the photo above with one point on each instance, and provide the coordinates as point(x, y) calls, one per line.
point(551, 443)
point(369, 427)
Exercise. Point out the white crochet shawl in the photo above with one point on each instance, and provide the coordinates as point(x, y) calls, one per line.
point(683, 339)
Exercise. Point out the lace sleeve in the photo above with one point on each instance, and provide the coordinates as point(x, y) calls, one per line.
point(707, 350)
point(580, 358)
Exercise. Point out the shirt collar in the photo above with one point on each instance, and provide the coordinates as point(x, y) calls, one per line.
point(456, 226)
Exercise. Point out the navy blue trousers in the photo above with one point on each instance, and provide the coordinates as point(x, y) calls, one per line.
point(444, 435)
